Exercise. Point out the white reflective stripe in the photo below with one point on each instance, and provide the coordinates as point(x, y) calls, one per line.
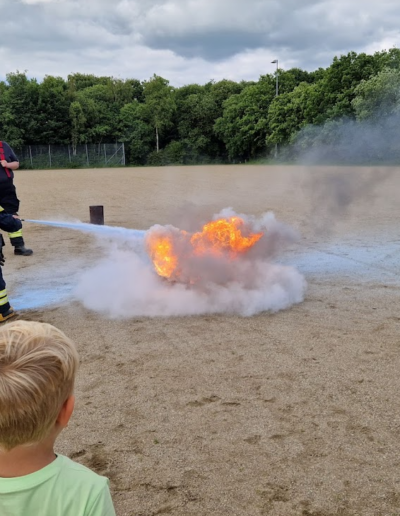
point(3, 293)
point(16, 234)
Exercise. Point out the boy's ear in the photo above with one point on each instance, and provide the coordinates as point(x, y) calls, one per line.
point(66, 412)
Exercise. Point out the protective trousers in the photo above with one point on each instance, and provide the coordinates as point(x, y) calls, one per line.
point(4, 303)
point(9, 203)
point(11, 225)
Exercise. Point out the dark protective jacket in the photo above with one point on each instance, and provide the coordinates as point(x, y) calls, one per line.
point(8, 153)
point(9, 223)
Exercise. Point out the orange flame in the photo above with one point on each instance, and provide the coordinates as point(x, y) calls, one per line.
point(161, 250)
point(222, 237)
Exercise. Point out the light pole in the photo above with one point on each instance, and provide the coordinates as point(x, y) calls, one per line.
point(276, 94)
point(277, 76)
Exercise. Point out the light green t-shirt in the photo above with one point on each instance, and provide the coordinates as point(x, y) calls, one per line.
point(63, 488)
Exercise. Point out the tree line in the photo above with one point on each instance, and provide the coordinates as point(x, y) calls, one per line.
point(218, 122)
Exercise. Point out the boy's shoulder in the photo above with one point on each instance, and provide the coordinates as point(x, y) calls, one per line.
point(75, 470)
point(62, 487)
point(62, 471)
point(77, 482)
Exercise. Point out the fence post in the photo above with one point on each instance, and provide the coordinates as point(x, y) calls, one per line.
point(105, 154)
point(87, 154)
point(30, 155)
point(123, 153)
point(69, 154)
point(49, 155)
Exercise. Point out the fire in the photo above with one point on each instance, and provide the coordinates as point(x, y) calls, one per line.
point(226, 237)
point(161, 250)
point(223, 235)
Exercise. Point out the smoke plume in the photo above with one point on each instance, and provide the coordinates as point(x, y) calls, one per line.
point(346, 141)
point(125, 283)
point(335, 191)
point(348, 146)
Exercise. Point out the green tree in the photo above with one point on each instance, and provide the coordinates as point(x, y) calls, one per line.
point(388, 59)
point(244, 124)
point(81, 81)
point(197, 114)
point(289, 112)
point(77, 124)
point(100, 111)
point(159, 105)
point(53, 122)
point(222, 90)
point(125, 91)
point(288, 80)
point(341, 79)
point(136, 132)
point(19, 110)
point(379, 96)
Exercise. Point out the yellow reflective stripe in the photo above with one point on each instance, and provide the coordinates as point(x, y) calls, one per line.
point(1, 208)
point(3, 297)
point(16, 234)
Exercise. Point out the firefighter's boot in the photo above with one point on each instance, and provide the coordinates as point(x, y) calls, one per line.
point(22, 250)
point(8, 314)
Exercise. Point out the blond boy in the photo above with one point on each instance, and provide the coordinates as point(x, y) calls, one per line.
point(37, 372)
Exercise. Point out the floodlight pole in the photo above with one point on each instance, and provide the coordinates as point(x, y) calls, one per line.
point(276, 94)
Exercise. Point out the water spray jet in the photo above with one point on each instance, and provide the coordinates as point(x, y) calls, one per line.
point(90, 228)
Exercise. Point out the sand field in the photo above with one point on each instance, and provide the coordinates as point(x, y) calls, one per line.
point(294, 413)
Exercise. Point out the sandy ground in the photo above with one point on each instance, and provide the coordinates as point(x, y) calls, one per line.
point(287, 414)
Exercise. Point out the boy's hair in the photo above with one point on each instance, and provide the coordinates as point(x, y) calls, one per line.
point(38, 364)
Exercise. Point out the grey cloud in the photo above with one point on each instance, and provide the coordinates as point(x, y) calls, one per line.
point(210, 46)
point(304, 33)
point(291, 27)
point(32, 28)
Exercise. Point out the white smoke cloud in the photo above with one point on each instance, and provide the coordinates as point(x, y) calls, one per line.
point(124, 284)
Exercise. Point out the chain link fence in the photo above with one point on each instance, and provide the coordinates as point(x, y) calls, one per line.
point(66, 156)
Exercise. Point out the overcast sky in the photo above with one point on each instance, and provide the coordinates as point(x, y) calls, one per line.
point(187, 41)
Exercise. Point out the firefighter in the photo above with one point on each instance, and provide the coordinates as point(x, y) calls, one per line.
point(9, 202)
point(10, 223)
